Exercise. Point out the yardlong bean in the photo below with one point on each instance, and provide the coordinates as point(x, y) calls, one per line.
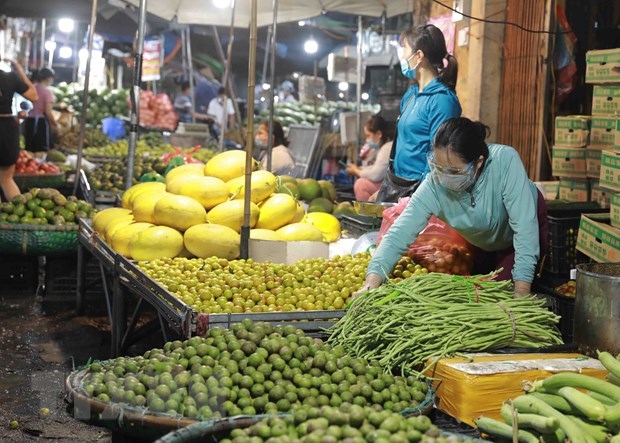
point(435, 315)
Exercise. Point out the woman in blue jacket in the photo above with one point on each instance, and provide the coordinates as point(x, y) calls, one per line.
point(426, 105)
point(483, 192)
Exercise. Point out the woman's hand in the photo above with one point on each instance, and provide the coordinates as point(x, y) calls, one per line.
point(353, 169)
point(522, 288)
point(372, 281)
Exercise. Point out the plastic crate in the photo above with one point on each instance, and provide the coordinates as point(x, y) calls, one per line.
point(61, 277)
point(563, 219)
point(358, 225)
point(560, 304)
point(18, 273)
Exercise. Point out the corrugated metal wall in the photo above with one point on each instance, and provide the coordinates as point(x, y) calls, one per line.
point(524, 100)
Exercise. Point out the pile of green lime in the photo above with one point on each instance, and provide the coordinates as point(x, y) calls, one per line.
point(43, 206)
point(254, 368)
point(346, 423)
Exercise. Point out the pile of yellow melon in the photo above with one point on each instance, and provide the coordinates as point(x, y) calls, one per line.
point(199, 212)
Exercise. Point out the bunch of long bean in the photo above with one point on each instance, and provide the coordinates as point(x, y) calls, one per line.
point(436, 315)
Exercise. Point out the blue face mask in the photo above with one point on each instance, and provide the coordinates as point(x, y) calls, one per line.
point(372, 144)
point(405, 69)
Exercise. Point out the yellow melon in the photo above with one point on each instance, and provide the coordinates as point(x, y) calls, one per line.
point(277, 211)
point(102, 218)
point(230, 214)
point(119, 240)
point(227, 165)
point(208, 191)
point(143, 207)
point(262, 185)
point(300, 232)
point(264, 234)
point(196, 169)
point(326, 223)
point(179, 212)
point(156, 242)
point(209, 239)
point(130, 194)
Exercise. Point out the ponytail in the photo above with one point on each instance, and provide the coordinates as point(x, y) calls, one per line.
point(449, 73)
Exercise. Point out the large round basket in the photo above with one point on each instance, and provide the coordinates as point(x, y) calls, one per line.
point(49, 240)
point(27, 181)
point(142, 424)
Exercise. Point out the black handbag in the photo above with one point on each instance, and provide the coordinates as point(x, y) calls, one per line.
point(394, 186)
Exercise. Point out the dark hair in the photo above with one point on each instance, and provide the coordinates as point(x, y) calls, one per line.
point(430, 40)
point(377, 123)
point(184, 85)
point(277, 132)
point(463, 137)
point(42, 74)
point(221, 90)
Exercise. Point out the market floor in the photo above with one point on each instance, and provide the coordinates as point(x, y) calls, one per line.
point(41, 341)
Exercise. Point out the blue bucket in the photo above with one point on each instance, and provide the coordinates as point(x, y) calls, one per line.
point(113, 127)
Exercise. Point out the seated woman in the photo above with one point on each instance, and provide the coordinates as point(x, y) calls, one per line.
point(282, 161)
point(484, 193)
point(370, 176)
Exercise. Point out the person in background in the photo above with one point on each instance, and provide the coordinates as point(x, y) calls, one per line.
point(218, 112)
point(183, 106)
point(484, 193)
point(41, 124)
point(287, 91)
point(427, 103)
point(205, 89)
point(378, 138)
point(12, 82)
point(282, 161)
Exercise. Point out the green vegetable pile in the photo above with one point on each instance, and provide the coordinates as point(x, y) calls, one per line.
point(347, 423)
point(251, 369)
point(435, 315)
point(563, 407)
point(101, 104)
point(45, 206)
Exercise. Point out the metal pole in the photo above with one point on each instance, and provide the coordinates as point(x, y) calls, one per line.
point(231, 37)
point(135, 96)
point(42, 55)
point(273, 81)
point(358, 120)
point(80, 147)
point(245, 229)
point(267, 48)
point(220, 54)
point(190, 67)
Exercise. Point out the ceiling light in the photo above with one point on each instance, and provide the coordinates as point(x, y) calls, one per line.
point(222, 4)
point(365, 96)
point(311, 46)
point(50, 45)
point(65, 52)
point(343, 86)
point(301, 23)
point(341, 94)
point(266, 86)
point(66, 25)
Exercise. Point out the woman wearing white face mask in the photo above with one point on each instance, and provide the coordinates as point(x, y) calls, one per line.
point(282, 161)
point(378, 138)
point(483, 192)
point(428, 103)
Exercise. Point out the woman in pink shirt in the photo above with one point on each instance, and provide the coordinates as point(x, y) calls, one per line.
point(40, 124)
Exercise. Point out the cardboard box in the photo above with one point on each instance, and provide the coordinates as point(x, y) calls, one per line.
point(610, 170)
point(477, 384)
point(598, 239)
point(614, 210)
point(568, 162)
point(574, 190)
point(606, 100)
point(617, 135)
point(600, 195)
point(572, 130)
point(549, 190)
point(603, 66)
point(593, 160)
point(286, 252)
point(603, 130)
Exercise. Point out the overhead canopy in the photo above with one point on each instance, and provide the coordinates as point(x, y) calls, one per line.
point(205, 12)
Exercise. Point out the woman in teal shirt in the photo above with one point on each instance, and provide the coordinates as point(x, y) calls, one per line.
point(483, 192)
point(426, 105)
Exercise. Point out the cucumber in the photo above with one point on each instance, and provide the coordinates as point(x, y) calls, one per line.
point(539, 423)
point(588, 406)
point(496, 428)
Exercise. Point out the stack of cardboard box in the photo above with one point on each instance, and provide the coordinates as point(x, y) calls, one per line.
point(599, 235)
point(569, 161)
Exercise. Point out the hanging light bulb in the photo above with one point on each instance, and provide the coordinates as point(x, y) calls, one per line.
point(66, 25)
point(311, 46)
point(65, 52)
point(222, 4)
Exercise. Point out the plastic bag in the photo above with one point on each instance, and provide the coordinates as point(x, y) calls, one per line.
point(390, 215)
point(439, 248)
